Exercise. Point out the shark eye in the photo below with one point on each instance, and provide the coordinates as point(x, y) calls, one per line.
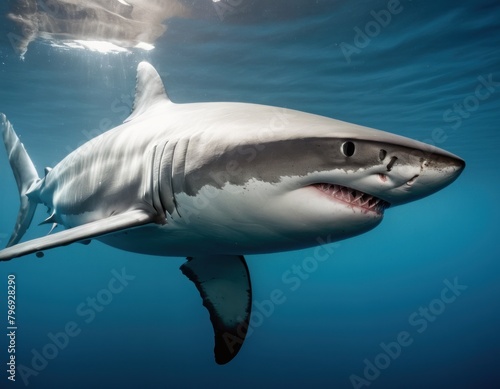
point(348, 149)
point(382, 154)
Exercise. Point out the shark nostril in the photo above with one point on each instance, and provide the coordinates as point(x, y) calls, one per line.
point(391, 163)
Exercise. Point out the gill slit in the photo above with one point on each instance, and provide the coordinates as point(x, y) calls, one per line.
point(179, 169)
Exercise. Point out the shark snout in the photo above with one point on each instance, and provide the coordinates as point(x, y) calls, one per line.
point(410, 178)
point(440, 171)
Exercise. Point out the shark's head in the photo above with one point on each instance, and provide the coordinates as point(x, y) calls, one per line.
point(262, 178)
point(364, 174)
point(293, 176)
point(369, 171)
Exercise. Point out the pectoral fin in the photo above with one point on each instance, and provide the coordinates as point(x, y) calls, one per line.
point(81, 233)
point(224, 285)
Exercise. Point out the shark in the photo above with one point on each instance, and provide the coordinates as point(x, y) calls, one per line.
point(215, 181)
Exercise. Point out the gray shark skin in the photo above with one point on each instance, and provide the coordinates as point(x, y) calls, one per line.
point(215, 181)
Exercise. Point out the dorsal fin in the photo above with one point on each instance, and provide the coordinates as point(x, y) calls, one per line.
point(149, 90)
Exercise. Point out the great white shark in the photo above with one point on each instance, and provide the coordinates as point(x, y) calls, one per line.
point(215, 181)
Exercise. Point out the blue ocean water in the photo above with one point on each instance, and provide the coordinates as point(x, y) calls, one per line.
point(425, 279)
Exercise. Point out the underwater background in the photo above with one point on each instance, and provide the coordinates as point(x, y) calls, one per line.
point(415, 303)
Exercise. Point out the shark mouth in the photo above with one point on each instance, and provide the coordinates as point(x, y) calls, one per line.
point(354, 197)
